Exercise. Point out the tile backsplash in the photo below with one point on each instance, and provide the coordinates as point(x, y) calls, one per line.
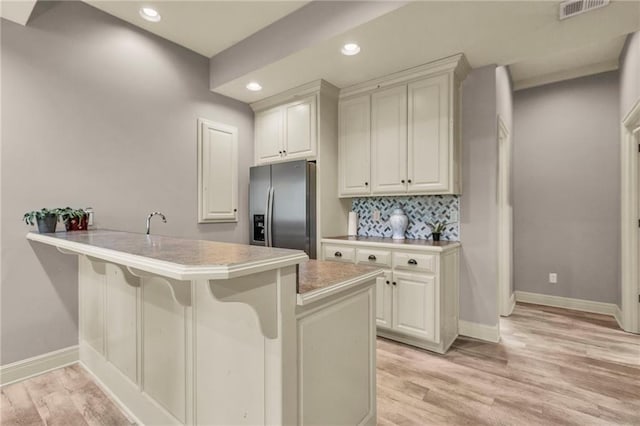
point(419, 209)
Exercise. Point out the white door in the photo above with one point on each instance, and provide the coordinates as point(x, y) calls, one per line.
point(415, 310)
point(217, 172)
point(355, 142)
point(428, 135)
point(389, 141)
point(300, 129)
point(269, 126)
point(384, 293)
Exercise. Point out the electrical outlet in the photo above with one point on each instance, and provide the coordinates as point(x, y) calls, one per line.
point(454, 216)
point(553, 278)
point(376, 214)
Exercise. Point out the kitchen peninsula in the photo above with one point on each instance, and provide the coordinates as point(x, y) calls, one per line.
point(199, 332)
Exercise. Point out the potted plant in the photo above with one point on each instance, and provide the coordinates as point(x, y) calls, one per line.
point(74, 219)
point(45, 218)
point(437, 228)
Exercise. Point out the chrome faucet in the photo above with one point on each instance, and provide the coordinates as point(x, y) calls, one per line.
point(164, 219)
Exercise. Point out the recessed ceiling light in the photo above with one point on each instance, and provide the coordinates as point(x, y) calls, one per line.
point(150, 14)
point(350, 49)
point(254, 87)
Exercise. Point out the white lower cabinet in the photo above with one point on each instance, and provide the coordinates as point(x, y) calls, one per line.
point(417, 299)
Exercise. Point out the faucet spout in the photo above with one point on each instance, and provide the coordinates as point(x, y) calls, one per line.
point(164, 219)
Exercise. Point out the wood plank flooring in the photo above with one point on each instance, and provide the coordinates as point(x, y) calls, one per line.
point(553, 367)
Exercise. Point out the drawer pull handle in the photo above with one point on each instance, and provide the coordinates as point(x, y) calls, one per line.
point(372, 257)
point(412, 262)
point(337, 254)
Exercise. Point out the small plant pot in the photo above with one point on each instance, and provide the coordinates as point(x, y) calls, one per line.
point(435, 236)
point(76, 224)
point(47, 224)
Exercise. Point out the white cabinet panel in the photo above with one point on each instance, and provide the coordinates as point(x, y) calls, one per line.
point(389, 141)
point(92, 294)
point(300, 130)
point(269, 128)
point(217, 172)
point(415, 261)
point(121, 319)
point(384, 292)
point(374, 257)
point(354, 146)
point(414, 307)
point(163, 347)
point(428, 135)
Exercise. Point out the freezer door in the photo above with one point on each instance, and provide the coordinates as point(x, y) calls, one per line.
point(291, 211)
point(259, 184)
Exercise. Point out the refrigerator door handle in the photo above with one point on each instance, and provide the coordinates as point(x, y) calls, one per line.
point(269, 218)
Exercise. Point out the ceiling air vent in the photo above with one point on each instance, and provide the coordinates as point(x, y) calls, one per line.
point(572, 8)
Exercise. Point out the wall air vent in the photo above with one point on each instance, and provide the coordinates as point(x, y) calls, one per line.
point(571, 8)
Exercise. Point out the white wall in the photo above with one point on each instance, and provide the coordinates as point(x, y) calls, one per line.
point(478, 205)
point(567, 188)
point(96, 112)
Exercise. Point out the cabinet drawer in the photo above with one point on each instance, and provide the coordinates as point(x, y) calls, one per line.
point(374, 257)
point(340, 253)
point(415, 261)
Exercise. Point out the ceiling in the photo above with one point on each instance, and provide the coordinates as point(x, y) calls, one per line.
point(206, 27)
point(17, 11)
point(526, 35)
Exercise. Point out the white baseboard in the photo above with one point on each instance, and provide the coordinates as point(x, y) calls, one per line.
point(617, 314)
point(567, 302)
point(20, 370)
point(512, 303)
point(489, 333)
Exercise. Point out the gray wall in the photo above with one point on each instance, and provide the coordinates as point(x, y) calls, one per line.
point(567, 188)
point(478, 206)
point(630, 73)
point(96, 113)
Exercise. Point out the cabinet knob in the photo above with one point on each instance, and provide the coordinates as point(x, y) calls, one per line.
point(412, 262)
point(372, 257)
point(394, 283)
point(284, 152)
point(280, 152)
point(388, 282)
point(337, 254)
point(366, 184)
point(402, 181)
point(409, 181)
point(235, 210)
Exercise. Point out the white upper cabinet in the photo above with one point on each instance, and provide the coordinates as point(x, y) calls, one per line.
point(300, 129)
point(217, 172)
point(389, 141)
point(354, 146)
point(414, 141)
point(286, 132)
point(269, 134)
point(428, 150)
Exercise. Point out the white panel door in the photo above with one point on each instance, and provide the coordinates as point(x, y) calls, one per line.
point(354, 151)
point(269, 135)
point(429, 135)
point(384, 293)
point(300, 129)
point(389, 141)
point(415, 310)
point(217, 172)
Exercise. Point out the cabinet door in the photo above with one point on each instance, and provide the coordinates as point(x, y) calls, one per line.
point(389, 141)
point(355, 141)
point(415, 311)
point(429, 142)
point(269, 126)
point(384, 291)
point(300, 129)
point(217, 172)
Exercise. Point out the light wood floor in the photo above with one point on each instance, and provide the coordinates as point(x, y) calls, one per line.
point(553, 367)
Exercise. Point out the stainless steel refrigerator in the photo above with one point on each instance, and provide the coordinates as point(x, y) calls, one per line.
point(282, 206)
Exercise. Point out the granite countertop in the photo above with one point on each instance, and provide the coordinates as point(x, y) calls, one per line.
point(179, 258)
point(405, 242)
point(316, 275)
